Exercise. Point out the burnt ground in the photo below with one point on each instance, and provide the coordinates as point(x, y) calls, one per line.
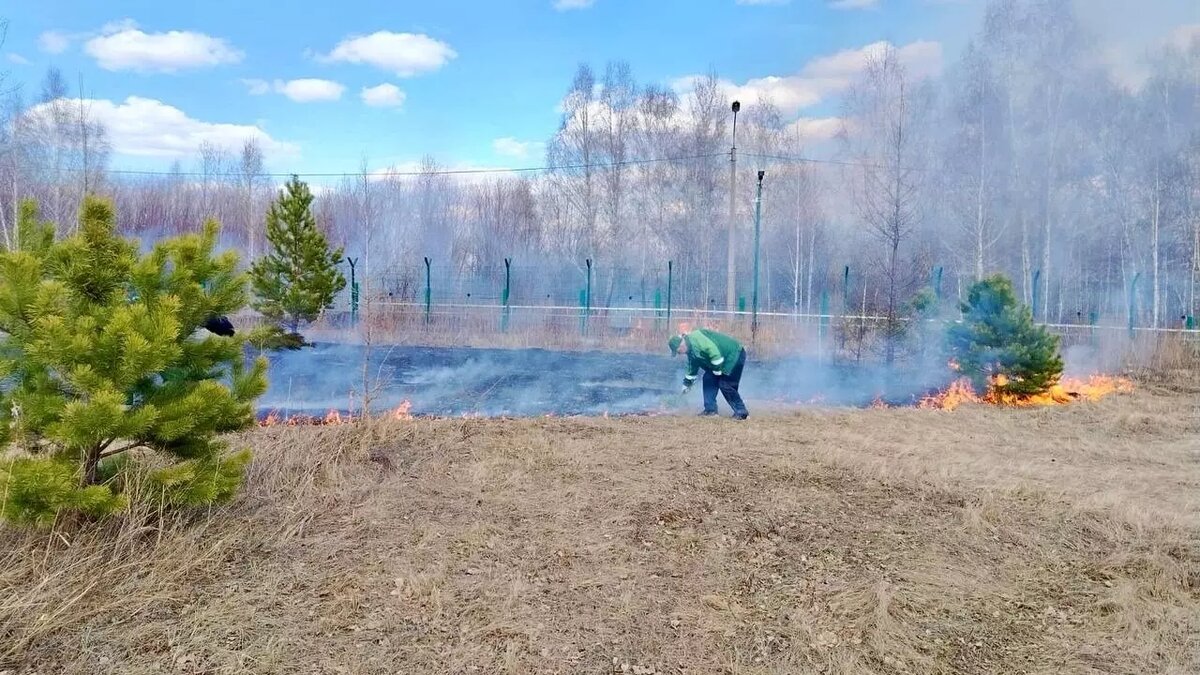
point(534, 382)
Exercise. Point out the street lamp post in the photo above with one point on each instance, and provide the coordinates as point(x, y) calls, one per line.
point(731, 281)
point(757, 229)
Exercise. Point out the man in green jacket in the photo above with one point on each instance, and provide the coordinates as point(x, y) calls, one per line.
point(722, 359)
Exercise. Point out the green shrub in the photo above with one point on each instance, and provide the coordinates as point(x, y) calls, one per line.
point(104, 368)
point(997, 344)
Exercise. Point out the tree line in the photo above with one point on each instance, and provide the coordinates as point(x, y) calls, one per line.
point(1027, 156)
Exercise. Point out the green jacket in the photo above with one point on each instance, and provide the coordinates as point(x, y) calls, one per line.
point(711, 351)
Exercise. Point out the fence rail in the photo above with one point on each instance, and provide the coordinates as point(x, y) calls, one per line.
point(453, 309)
point(827, 337)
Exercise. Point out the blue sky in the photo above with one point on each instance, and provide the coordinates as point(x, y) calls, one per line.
point(450, 78)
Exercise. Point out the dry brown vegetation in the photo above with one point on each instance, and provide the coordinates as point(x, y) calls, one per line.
point(1056, 540)
point(841, 338)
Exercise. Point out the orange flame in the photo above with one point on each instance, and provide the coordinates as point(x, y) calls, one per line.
point(1065, 391)
point(401, 412)
point(958, 393)
point(331, 418)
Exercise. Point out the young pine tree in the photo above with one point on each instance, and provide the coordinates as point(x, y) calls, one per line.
point(299, 277)
point(997, 336)
point(923, 308)
point(103, 370)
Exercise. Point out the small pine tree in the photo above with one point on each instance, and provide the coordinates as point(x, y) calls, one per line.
point(101, 370)
point(922, 309)
point(997, 336)
point(299, 277)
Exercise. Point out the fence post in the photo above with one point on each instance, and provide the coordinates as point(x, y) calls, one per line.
point(823, 321)
point(428, 291)
point(1036, 277)
point(845, 301)
point(587, 297)
point(505, 297)
point(670, 275)
point(353, 292)
point(1133, 302)
point(845, 292)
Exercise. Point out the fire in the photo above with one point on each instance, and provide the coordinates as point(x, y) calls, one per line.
point(401, 412)
point(1099, 386)
point(1065, 391)
point(958, 393)
point(331, 418)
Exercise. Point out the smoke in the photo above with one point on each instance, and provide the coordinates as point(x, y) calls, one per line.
point(227, 239)
point(535, 382)
point(1129, 32)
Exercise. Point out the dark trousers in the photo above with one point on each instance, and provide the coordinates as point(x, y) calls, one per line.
point(728, 384)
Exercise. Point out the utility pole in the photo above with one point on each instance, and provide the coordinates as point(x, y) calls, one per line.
point(757, 229)
point(731, 281)
point(83, 131)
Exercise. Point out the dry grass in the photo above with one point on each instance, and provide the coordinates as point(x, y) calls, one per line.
point(1061, 540)
point(841, 339)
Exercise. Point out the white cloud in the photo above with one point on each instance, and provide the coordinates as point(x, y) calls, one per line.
point(54, 42)
point(257, 87)
point(405, 54)
point(309, 89)
point(790, 93)
point(1183, 37)
point(16, 58)
point(1129, 63)
point(511, 147)
point(823, 77)
point(122, 46)
point(854, 4)
point(567, 5)
point(921, 59)
point(117, 26)
point(146, 127)
point(817, 129)
point(303, 90)
point(385, 95)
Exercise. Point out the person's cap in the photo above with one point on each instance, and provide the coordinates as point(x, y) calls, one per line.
point(674, 343)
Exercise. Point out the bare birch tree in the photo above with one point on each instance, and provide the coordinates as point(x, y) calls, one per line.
point(885, 141)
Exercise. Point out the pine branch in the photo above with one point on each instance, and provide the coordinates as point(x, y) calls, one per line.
point(124, 448)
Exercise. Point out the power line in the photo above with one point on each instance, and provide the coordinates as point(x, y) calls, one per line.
point(387, 173)
point(441, 172)
point(834, 162)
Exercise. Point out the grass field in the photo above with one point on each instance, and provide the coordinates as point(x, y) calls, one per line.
point(984, 540)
